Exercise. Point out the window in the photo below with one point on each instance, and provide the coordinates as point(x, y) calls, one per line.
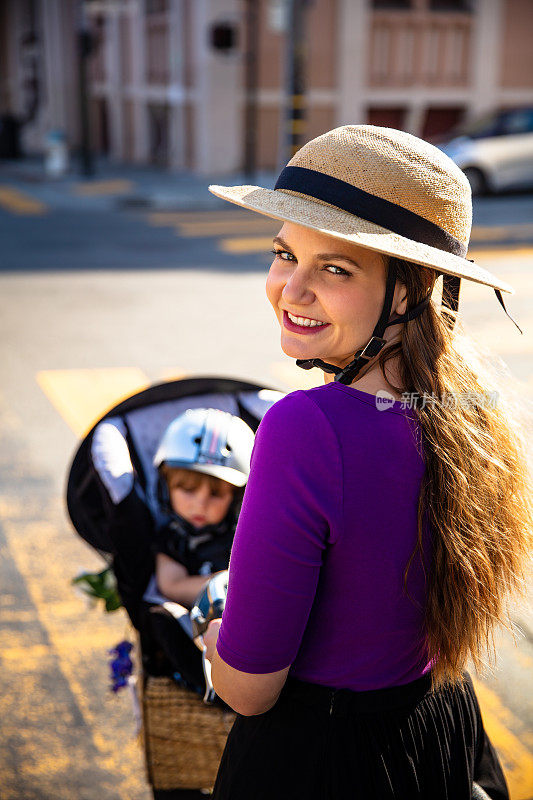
point(450, 5)
point(386, 117)
point(440, 121)
point(156, 6)
point(392, 4)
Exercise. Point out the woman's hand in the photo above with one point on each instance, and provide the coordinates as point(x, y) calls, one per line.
point(210, 638)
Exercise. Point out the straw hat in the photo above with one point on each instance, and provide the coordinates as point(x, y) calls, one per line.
point(379, 188)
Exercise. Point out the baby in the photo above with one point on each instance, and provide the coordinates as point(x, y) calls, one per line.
point(203, 463)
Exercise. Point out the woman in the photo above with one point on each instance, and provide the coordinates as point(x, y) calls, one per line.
point(387, 512)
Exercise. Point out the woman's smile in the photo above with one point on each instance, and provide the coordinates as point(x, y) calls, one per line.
point(302, 325)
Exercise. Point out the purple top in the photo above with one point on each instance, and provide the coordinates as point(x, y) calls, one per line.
point(328, 523)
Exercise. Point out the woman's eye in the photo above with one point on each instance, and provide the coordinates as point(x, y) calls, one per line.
point(336, 270)
point(283, 254)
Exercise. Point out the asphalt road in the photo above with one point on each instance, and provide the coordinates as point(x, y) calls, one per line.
point(98, 299)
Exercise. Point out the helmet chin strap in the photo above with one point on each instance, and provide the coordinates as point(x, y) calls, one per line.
point(376, 342)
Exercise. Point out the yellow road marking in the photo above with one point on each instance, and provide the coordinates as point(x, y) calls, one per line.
point(505, 251)
point(516, 758)
point(254, 244)
point(20, 203)
point(221, 227)
point(172, 374)
point(499, 232)
point(171, 218)
point(82, 396)
point(108, 187)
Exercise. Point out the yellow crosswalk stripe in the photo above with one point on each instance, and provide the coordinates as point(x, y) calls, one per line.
point(18, 202)
point(218, 223)
point(505, 251)
point(82, 396)
point(172, 218)
point(221, 227)
point(502, 232)
point(171, 374)
point(251, 244)
point(106, 187)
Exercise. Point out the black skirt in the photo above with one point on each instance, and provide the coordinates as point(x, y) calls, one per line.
point(405, 742)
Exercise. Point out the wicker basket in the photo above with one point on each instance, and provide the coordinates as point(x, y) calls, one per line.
point(183, 737)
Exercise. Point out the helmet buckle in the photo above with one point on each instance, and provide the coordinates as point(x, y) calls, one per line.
point(373, 347)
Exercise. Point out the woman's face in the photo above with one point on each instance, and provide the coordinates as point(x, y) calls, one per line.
point(315, 278)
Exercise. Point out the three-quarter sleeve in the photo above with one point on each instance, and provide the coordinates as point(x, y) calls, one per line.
point(292, 510)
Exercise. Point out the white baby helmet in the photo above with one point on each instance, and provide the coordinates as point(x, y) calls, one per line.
point(210, 441)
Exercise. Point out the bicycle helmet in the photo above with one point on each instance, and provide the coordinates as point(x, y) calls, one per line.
point(208, 440)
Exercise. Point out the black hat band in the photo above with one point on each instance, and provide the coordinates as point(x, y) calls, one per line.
point(369, 207)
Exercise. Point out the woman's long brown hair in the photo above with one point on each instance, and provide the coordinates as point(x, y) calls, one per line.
point(476, 491)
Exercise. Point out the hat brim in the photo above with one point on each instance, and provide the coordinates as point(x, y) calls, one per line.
point(340, 224)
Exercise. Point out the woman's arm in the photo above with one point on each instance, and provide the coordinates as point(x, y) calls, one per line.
point(174, 581)
point(245, 693)
point(292, 509)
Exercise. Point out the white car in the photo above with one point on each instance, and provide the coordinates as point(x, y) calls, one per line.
point(495, 152)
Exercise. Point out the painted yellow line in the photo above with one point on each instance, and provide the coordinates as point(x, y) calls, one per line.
point(18, 202)
point(516, 757)
point(499, 232)
point(25, 656)
point(252, 244)
point(108, 187)
point(82, 396)
point(251, 225)
point(171, 218)
point(505, 251)
point(171, 374)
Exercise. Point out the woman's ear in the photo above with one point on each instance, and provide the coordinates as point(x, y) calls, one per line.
point(399, 305)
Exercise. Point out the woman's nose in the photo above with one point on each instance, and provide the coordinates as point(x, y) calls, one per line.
point(297, 290)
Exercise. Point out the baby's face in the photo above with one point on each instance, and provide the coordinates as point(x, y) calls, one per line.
point(202, 505)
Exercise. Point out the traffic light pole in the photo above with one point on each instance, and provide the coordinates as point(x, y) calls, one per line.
point(250, 90)
point(84, 49)
point(295, 71)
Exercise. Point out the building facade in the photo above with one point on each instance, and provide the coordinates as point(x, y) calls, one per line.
point(167, 77)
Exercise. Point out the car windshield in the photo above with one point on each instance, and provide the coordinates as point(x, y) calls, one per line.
point(486, 125)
